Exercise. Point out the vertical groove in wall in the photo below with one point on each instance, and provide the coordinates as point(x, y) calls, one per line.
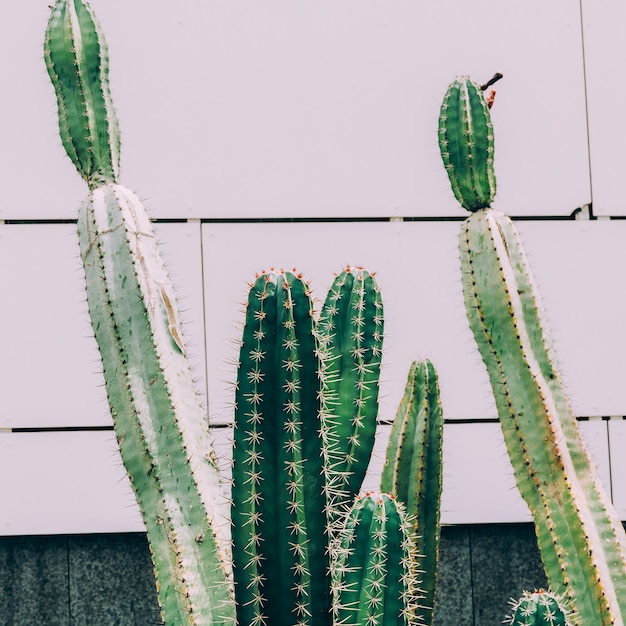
point(608, 441)
point(471, 573)
point(69, 579)
point(582, 40)
point(204, 319)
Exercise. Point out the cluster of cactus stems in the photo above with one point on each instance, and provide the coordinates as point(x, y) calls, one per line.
point(540, 608)
point(580, 536)
point(306, 549)
point(305, 418)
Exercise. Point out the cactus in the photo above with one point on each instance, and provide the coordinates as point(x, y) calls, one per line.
point(278, 497)
point(350, 335)
point(540, 608)
point(372, 577)
point(580, 536)
point(159, 421)
point(413, 474)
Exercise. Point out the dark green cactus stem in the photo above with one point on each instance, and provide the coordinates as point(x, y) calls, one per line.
point(582, 541)
point(540, 608)
point(159, 420)
point(466, 143)
point(372, 576)
point(413, 474)
point(76, 57)
point(278, 503)
point(350, 334)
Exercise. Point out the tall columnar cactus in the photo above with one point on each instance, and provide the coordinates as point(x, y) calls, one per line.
point(350, 335)
point(373, 576)
point(540, 608)
point(582, 542)
point(278, 497)
point(158, 417)
point(413, 474)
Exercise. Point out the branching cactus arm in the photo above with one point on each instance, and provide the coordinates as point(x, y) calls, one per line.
point(350, 333)
point(413, 474)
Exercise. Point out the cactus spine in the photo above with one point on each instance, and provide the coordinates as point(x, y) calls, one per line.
point(582, 542)
point(159, 421)
point(373, 578)
point(540, 608)
point(350, 334)
point(413, 474)
point(278, 497)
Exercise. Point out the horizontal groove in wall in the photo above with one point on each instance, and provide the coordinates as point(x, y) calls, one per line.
point(109, 428)
point(584, 213)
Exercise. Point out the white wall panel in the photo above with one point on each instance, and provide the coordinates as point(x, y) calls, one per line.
point(617, 441)
point(287, 108)
point(576, 264)
point(50, 372)
point(58, 483)
point(74, 482)
point(605, 47)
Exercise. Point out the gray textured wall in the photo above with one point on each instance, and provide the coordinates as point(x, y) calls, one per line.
point(106, 580)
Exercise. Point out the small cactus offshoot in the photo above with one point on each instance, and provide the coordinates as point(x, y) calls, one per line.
point(373, 579)
point(540, 608)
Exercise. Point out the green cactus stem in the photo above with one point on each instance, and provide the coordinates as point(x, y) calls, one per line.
point(77, 61)
point(580, 536)
point(582, 541)
point(466, 142)
point(350, 334)
point(278, 503)
point(540, 608)
point(372, 577)
point(159, 420)
point(413, 474)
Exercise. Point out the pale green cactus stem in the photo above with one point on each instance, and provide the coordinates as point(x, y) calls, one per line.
point(76, 58)
point(540, 608)
point(159, 420)
point(413, 474)
point(278, 498)
point(373, 576)
point(580, 536)
point(350, 334)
